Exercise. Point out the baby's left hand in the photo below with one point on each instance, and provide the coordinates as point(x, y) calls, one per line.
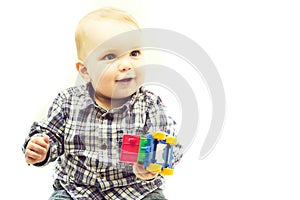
point(142, 173)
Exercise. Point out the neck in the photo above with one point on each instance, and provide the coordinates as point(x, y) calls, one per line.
point(109, 103)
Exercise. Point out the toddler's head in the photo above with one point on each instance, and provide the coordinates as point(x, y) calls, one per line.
point(108, 62)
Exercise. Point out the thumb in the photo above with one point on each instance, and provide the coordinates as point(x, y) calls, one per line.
point(46, 138)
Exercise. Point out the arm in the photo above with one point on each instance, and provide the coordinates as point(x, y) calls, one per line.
point(157, 119)
point(45, 140)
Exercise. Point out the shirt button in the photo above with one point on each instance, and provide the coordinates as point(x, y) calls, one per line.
point(102, 175)
point(103, 146)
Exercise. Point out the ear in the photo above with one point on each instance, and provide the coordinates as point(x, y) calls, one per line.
point(82, 70)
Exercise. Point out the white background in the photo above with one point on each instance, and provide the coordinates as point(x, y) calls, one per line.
point(255, 46)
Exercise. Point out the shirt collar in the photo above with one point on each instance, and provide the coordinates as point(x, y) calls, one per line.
point(90, 101)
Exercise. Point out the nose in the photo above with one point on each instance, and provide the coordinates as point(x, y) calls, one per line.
point(125, 65)
point(124, 68)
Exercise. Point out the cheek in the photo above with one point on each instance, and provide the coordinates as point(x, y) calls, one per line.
point(104, 85)
point(106, 78)
point(141, 73)
point(101, 72)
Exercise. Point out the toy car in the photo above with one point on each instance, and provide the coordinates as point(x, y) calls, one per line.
point(154, 151)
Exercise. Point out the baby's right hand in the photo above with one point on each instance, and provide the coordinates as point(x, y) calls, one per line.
point(37, 148)
point(141, 173)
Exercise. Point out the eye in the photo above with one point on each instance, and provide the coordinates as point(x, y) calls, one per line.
point(135, 53)
point(110, 56)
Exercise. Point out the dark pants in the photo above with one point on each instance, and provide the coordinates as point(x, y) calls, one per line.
point(60, 194)
point(156, 194)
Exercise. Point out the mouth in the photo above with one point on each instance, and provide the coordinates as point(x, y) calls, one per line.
point(124, 80)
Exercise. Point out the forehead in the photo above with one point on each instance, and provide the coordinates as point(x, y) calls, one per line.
point(109, 34)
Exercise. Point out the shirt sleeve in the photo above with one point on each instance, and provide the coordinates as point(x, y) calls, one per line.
point(53, 126)
point(159, 120)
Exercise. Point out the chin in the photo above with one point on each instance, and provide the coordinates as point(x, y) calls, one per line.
point(123, 93)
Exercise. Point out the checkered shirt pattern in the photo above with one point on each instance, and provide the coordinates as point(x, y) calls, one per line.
point(85, 140)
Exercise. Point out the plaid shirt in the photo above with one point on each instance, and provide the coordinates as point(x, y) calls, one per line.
point(85, 140)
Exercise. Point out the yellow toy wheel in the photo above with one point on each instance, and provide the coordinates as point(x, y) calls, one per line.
point(159, 135)
point(167, 171)
point(153, 167)
point(171, 140)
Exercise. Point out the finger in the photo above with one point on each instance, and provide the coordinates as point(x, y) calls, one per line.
point(137, 168)
point(141, 169)
point(41, 141)
point(146, 176)
point(34, 147)
point(46, 139)
point(31, 155)
point(30, 160)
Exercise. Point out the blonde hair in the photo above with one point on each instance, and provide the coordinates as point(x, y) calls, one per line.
point(100, 14)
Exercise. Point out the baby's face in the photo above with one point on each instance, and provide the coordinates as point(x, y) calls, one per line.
point(113, 64)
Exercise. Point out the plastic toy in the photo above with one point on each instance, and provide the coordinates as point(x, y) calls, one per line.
point(154, 151)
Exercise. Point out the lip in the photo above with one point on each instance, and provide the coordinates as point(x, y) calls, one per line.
point(125, 77)
point(125, 80)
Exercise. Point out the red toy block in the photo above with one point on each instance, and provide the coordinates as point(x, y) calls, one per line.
point(130, 148)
